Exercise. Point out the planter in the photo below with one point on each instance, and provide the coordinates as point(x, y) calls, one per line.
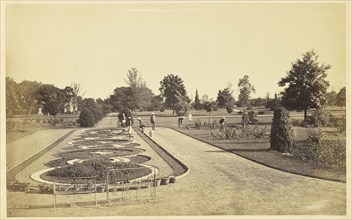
point(165, 180)
point(157, 182)
point(172, 179)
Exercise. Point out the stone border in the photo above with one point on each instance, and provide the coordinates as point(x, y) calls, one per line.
point(157, 148)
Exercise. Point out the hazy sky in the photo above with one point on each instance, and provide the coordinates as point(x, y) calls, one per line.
point(206, 44)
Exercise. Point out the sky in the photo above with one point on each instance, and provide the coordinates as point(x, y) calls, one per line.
point(207, 44)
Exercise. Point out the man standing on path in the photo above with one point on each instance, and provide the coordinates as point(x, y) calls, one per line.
point(153, 121)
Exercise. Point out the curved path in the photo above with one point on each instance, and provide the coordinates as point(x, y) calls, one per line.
point(221, 183)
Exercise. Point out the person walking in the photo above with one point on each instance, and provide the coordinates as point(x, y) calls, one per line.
point(153, 121)
point(222, 124)
point(190, 116)
point(141, 125)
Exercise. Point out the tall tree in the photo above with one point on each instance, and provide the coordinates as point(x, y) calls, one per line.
point(306, 84)
point(224, 98)
point(52, 98)
point(246, 88)
point(341, 97)
point(172, 89)
point(142, 95)
point(122, 98)
point(197, 104)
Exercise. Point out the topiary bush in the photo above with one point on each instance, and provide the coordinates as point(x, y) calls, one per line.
point(86, 118)
point(281, 136)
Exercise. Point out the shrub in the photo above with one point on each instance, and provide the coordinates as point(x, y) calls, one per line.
point(251, 117)
point(198, 124)
point(229, 109)
point(86, 118)
point(281, 137)
point(329, 150)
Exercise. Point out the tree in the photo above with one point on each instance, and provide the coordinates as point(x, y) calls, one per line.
point(172, 89)
point(246, 88)
point(141, 94)
point(306, 84)
point(197, 104)
point(341, 97)
point(225, 98)
point(12, 97)
point(331, 98)
point(122, 98)
point(183, 105)
point(77, 88)
point(52, 99)
point(156, 103)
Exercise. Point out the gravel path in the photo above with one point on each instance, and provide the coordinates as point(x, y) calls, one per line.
point(21, 149)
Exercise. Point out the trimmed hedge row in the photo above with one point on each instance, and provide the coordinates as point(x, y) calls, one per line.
point(90, 116)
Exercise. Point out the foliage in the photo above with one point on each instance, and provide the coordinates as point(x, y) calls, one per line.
point(245, 118)
point(246, 88)
point(52, 99)
point(21, 98)
point(210, 106)
point(341, 97)
point(197, 104)
point(183, 105)
point(306, 84)
point(122, 98)
point(252, 117)
point(141, 95)
point(321, 148)
point(91, 113)
point(156, 103)
point(281, 137)
point(94, 167)
point(224, 98)
point(86, 118)
point(331, 98)
point(172, 89)
point(273, 104)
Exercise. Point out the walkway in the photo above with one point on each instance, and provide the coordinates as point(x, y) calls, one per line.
point(23, 148)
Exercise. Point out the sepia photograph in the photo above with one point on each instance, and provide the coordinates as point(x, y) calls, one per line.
point(175, 109)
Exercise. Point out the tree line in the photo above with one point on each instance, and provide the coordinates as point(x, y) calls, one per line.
point(305, 87)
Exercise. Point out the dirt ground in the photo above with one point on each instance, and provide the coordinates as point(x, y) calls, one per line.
point(218, 183)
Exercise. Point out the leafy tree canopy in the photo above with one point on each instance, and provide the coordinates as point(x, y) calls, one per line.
point(172, 89)
point(306, 84)
point(245, 88)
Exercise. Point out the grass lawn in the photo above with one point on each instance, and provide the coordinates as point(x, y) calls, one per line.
point(258, 151)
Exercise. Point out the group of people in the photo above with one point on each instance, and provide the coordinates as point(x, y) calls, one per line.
point(128, 122)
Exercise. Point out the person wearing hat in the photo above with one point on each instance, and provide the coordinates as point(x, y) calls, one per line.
point(141, 125)
point(222, 124)
point(153, 121)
